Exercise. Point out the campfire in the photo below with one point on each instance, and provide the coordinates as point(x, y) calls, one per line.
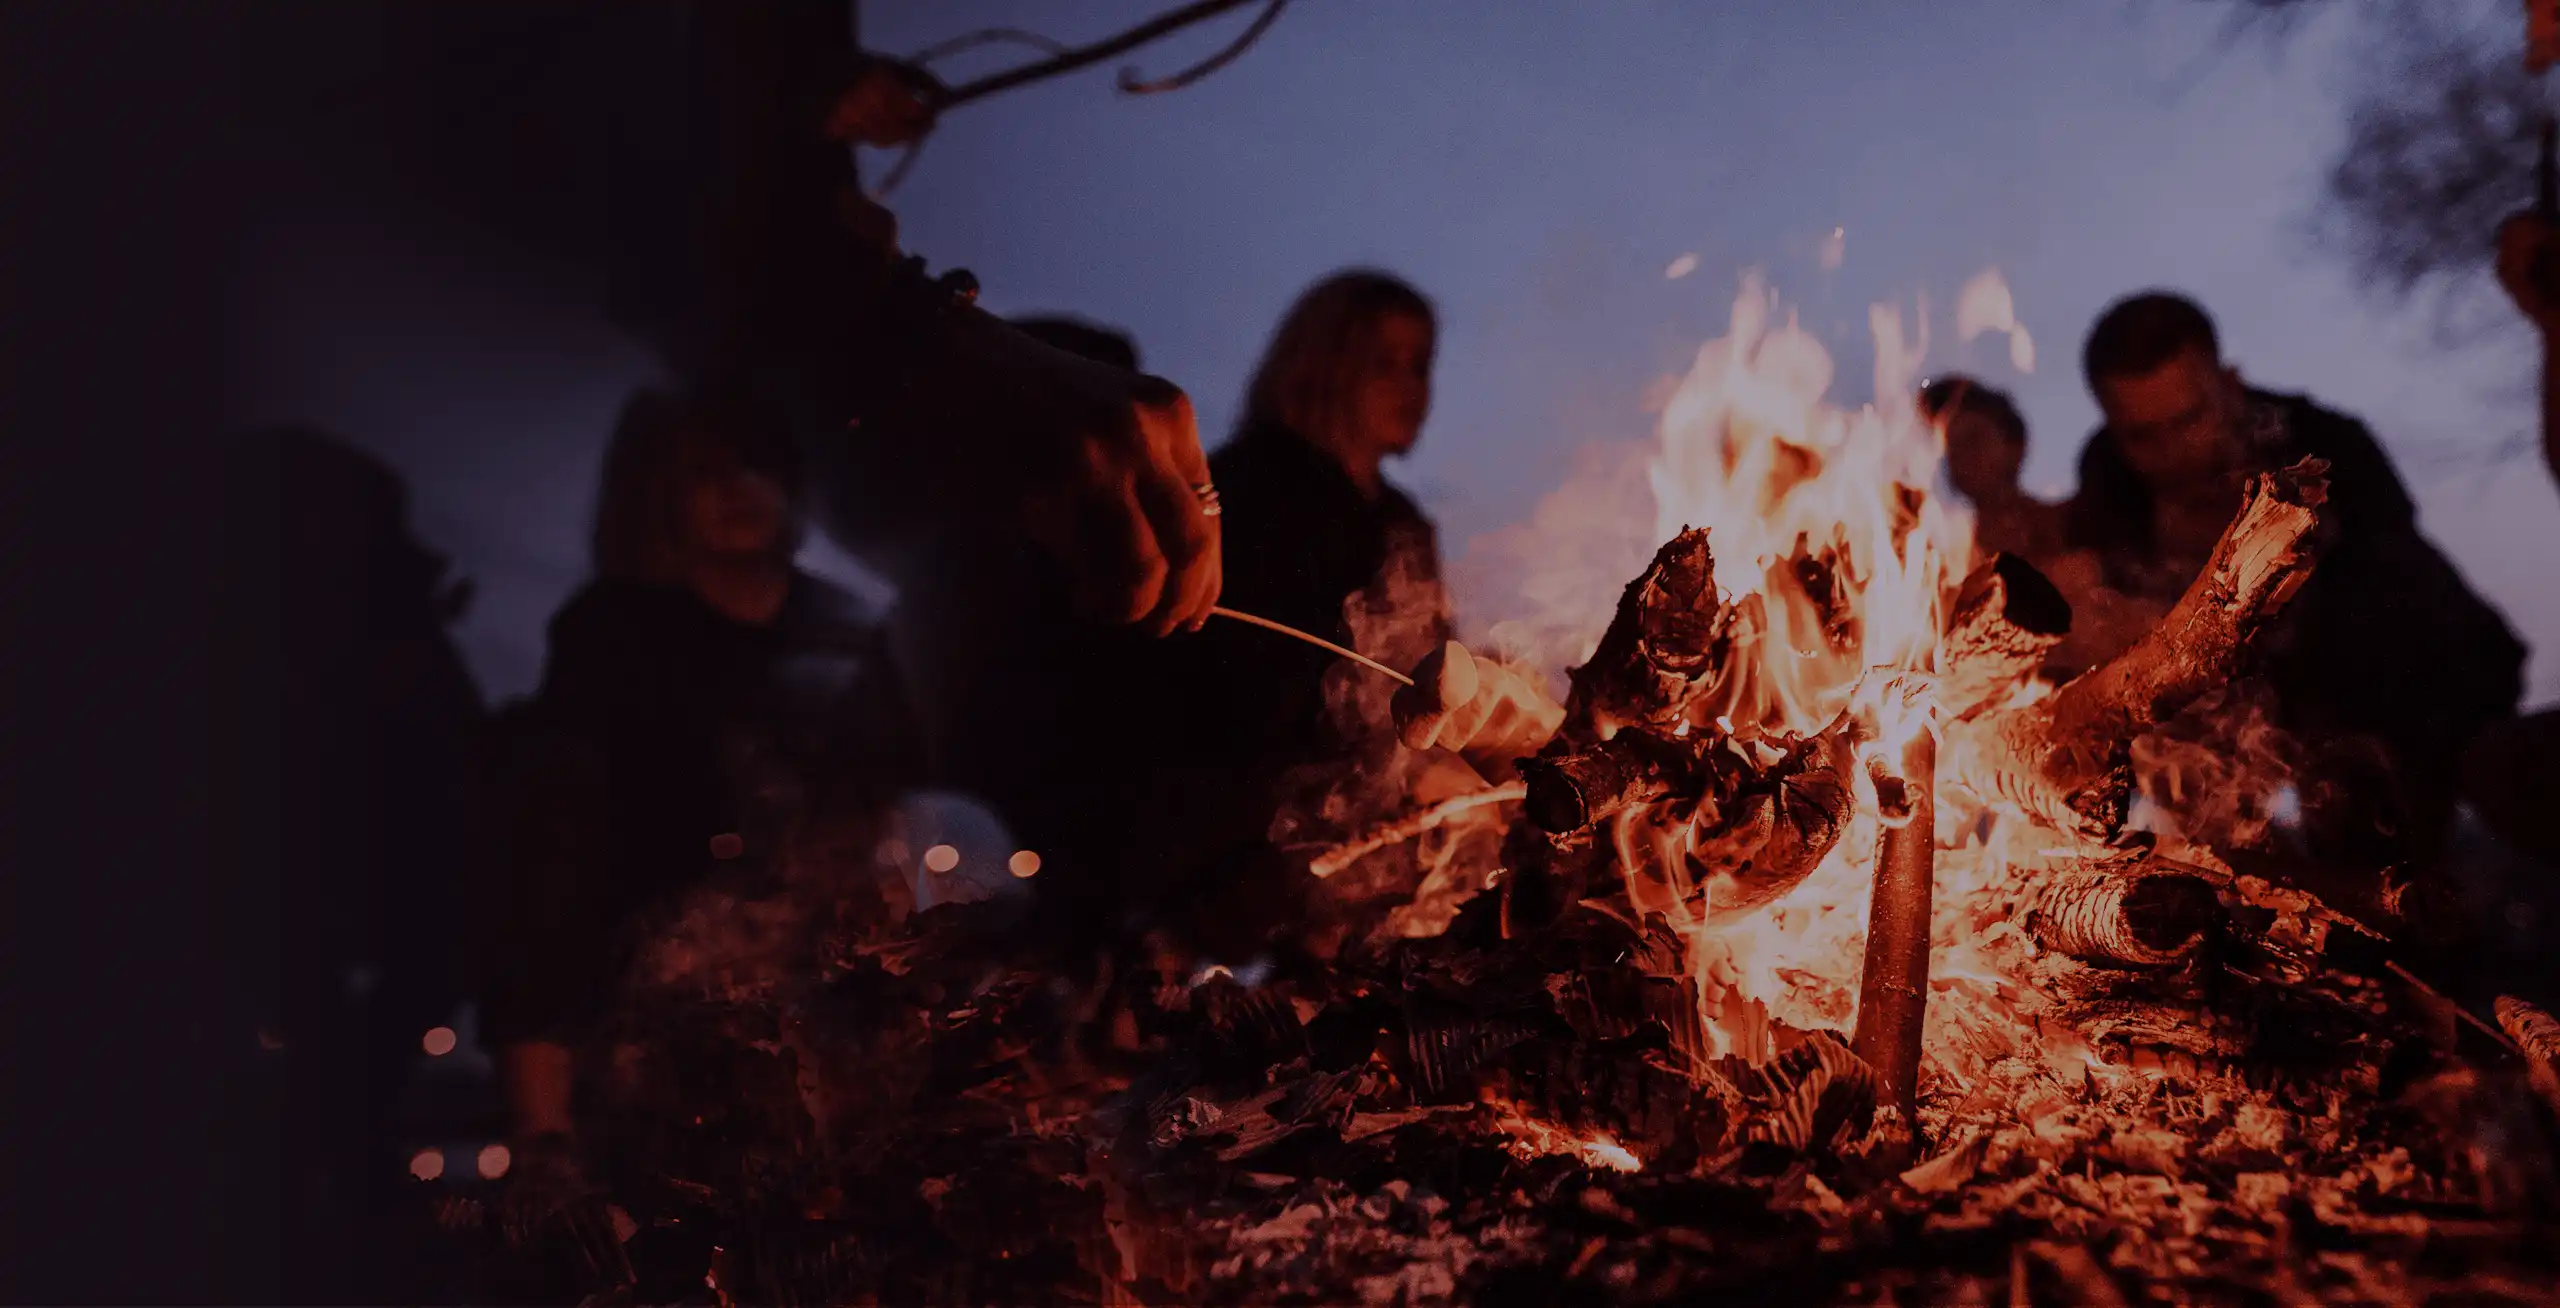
point(1819, 957)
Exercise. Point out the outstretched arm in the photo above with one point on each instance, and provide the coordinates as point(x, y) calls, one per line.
point(953, 407)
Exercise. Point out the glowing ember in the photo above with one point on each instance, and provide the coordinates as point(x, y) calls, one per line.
point(438, 1042)
point(1531, 1138)
point(941, 858)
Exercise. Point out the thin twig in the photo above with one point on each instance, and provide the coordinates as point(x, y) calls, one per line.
point(1131, 84)
point(987, 36)
point(1086, 56)
point(898, 170)
point(2458, 1010)
point(1410, 826)
point(1318, 641)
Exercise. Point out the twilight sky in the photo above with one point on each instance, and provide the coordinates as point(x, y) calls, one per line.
point(1534, 167)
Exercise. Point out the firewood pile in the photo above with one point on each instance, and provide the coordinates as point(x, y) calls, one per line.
point(2131, 1074)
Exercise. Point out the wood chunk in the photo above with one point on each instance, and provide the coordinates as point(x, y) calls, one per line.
point(1576, 790)
point(2144, 915)
point(1666, 642)
point(1893, 984)
point(1771, 829)
point(2065, 760)
point(2007, 618)
point(2537, 1036)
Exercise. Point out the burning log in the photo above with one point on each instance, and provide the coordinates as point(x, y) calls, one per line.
point(1893, 988)
point(1666, 643)
point(2065, 760)
point(2148, 916)
point(1770, 829)
point(1575, 791)
point(1756, 830)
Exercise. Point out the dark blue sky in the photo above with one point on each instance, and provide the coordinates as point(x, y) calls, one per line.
point(1534, 167)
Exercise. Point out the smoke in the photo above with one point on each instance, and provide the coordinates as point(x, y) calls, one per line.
point(1413, 888)
point(2222, 774)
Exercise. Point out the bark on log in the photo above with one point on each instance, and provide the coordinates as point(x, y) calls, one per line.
point(1666, 642)
point(2535, 1032)
point(1764, 835)
point(2144, 916)
point(1754, 833)
point(2537, 1036)
point(2064, 760)
point(2007, 618)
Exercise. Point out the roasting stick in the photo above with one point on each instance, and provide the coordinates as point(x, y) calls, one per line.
point(1318, 641)
point(1411, 825)
point(2458, 1010)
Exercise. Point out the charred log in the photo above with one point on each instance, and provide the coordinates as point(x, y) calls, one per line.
point(1759, 835)
point(2065, 760)
point(2146, 916)
point(1577, 790)
point(2007, 618)
point(1754, 831)
point(1443, 1049)
point(1806, 1097)
point(1666, 642)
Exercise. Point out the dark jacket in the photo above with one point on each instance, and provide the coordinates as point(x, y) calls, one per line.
point(1255, 711)
point(667, 740)
point(1304, 546)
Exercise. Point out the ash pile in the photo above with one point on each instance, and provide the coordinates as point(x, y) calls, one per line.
point(1894, 1009)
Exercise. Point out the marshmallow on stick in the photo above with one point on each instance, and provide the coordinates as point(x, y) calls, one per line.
point(1488, 713)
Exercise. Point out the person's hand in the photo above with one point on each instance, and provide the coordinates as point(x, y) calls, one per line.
point(887, 104)
point(1119, 489)
point(1485, 711)
point(2529, 266)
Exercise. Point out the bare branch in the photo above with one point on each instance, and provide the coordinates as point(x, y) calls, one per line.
point(1130, 83)
point(983, 37)
point(1064, 59)
point(1155, 28)
point(2440, 147)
